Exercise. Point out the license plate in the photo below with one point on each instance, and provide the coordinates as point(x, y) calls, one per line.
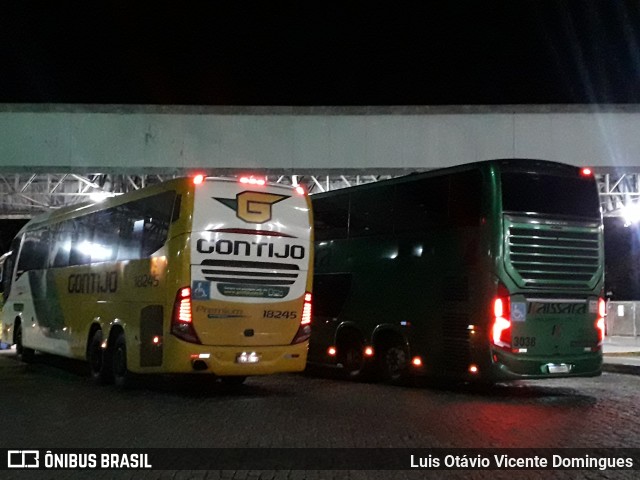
point(558, 368)
point(247, 357)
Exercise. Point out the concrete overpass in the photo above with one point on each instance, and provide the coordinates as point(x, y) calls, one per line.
point(54, 155)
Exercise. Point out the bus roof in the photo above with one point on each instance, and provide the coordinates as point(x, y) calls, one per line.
point(511, 164)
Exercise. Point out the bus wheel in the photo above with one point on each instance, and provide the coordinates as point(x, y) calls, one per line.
point(26, 354)
point(121, 375)
point(233, 381)
point(352, 359)
point(100, 369)
point(393, 363)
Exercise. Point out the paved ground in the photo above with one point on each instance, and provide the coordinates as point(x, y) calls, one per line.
point(52, 404)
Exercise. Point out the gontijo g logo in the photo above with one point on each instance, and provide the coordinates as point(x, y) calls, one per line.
point(252, 207)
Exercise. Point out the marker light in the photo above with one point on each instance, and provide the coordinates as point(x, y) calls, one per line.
point(300, 190)
point(253, 181)
point(586, 172)
point(368, 351)
point(416, 362)
point(473, 368)
point(331, 351)
point(198, 179)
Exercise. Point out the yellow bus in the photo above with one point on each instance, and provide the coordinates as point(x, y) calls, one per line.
point(193, 275)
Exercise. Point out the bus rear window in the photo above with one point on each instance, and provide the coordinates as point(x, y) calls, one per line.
point(549, 194)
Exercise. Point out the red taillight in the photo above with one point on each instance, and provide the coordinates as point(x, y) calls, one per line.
point(586, 172)
point(198, 179)
point(181, 320)
point(501, 330)
point(600, 325)
point(300, 190)
point(304, 330)
point(306, 310)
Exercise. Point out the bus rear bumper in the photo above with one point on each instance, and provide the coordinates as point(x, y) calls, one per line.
point(513, 367)
point(235, 360)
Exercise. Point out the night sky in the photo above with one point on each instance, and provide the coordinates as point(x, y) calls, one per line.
point(329, 53)
point(321, 53)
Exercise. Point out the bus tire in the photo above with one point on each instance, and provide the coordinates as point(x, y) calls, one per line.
point(26, 354)
point(122, 377)
point(393, 363)
point(351, 356)
point(98, 364)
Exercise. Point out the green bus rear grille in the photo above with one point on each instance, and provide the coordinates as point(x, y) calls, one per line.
point(560, 258)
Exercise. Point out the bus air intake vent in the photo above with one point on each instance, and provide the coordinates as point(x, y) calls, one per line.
point(562, 257)
point(250, 273)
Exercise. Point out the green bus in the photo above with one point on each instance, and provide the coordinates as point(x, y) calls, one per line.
point(488, 271)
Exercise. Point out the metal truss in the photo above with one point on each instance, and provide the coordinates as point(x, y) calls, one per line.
point(25, 195)
point(618, 191)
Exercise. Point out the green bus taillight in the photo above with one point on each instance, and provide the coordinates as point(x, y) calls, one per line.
point(501, 330)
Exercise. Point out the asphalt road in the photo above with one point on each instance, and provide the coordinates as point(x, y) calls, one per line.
point(53, 404)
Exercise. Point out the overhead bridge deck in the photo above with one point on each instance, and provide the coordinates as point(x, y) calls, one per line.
point(56, 155)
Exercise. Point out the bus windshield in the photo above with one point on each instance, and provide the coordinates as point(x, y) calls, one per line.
point(549, 194)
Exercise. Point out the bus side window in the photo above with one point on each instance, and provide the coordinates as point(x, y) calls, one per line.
point(157, 212)
point(104, 246)
point(81, 241)
point(331, 217)
point(130, 226)
point(61, 234)
point(34, 254)
point(7, 277)
point(144, 225)
point(371, 212)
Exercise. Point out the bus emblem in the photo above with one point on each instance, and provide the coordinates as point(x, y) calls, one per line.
point(252, 207)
